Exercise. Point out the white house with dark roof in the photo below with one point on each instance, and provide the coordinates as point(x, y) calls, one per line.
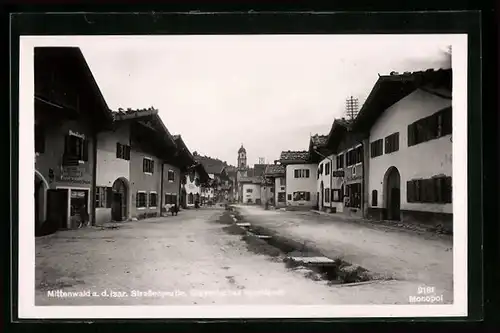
point(325, 159)
point(301, 179)
point(409, 119)
point(251, 189)
point(276, 174)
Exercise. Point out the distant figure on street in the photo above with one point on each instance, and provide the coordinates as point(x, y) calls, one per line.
point(84, 216)
point(196, 204)
point(174, 210)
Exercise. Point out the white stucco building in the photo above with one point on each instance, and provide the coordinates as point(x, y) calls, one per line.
point(409, 120)
point(251, 191)
point(276, 174)
point(113, 175)
point(301, 180)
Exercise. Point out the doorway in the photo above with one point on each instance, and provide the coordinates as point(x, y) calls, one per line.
point(79, 199)
point(57, 209)
point(392, 194)
point(119, 200)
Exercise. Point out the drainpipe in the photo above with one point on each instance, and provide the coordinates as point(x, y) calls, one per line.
point(161, 188)
point(94, 176)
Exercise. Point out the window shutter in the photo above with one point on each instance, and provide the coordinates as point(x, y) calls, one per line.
point(409, 191)
point(109, 196)
point(307, 173)
point(417, 191)
point(85, 152)
point(127, 153)
point(448, 190)
point(152, 166)
point(144, 167)
point(296, 173)
point(308, 195)
point(118, 149)
point(137, 200)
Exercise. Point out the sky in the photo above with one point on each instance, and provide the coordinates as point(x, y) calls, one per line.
point(267, 92)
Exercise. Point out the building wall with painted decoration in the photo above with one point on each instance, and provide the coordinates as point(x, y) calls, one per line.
point(193, 189)
point(65, 162)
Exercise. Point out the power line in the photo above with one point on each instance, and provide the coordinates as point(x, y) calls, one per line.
point(351, 106)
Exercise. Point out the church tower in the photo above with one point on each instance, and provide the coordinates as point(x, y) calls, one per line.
point(242, 158)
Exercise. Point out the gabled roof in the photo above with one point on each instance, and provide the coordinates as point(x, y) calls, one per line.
point(339, 128)
point(318, 147)
point(389, 89)
point(58, 58)
point(183, 154)
point(274, 170)
point(294, 157)
point(150, 121)
point(250, 180)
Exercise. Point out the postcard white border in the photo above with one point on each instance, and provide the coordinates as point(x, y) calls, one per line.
point(26, 296)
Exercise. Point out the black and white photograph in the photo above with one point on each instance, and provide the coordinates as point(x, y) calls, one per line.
point(182, 176)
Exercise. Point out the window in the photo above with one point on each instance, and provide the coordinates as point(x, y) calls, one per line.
point(148, 165)
point(282, 181)
point(39, 139)
point(374, 198)
point(75, 149)
point(327, 168)
point(340, 161)
point(354, 156)
point(301, 173)
point(353, 195)
point(141, 200)
point(170, 199)
point(171, 175)
point(432, 190)
point(122, 151)
point(435, 126)
point(153, 199)
point(100, 197)
point(337, 195)
point(392, 143)
point(301, 196)
point(281, 197)
point(377, 148)
point(272, 189)
point(190, 199)
point(249, 190)
point(327, 195)
point(289, 197)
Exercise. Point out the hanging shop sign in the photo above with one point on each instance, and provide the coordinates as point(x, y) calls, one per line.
point(338, 173)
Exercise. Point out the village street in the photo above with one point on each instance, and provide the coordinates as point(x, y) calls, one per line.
point(410, 257)
point(184, 260)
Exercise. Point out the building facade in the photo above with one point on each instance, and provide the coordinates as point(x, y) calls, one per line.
point(301, 176)
point(410, 171)
point(276, 175)
point(69, 113)
point(251, 191)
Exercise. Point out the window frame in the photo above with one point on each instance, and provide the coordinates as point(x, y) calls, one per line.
point(149, 199)
point(148, 165)
point(171, 172)
point(137, 201)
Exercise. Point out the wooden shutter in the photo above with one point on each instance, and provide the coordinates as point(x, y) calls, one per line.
point(127, 153)
point(109, 196)
point(152, 166)
point(417, 190)
point(296, 173)
point(307, 173)
point(144, 168)
point(448, 190)
point(85, 150)
point(410, 191)
point(411, 135)
point(118, 150)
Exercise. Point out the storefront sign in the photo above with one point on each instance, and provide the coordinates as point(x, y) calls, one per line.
point(73, 174)
point(338, 173)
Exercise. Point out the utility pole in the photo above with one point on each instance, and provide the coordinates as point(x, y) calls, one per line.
point(262, 160)
point(351, 106)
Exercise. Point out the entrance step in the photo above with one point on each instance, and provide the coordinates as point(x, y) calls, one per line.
point(243, 224)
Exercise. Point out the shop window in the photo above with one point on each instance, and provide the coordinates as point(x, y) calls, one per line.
point(435, 126)
point(122, 151)
point(281, 197)
point(301, 196)
point(377, 148)
point(353, 195)
point(141, 200)
point(170, 199)
point(374, 198)
point(337, 195)
point(392, 143)
point(100, 197)
point(148, 165)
